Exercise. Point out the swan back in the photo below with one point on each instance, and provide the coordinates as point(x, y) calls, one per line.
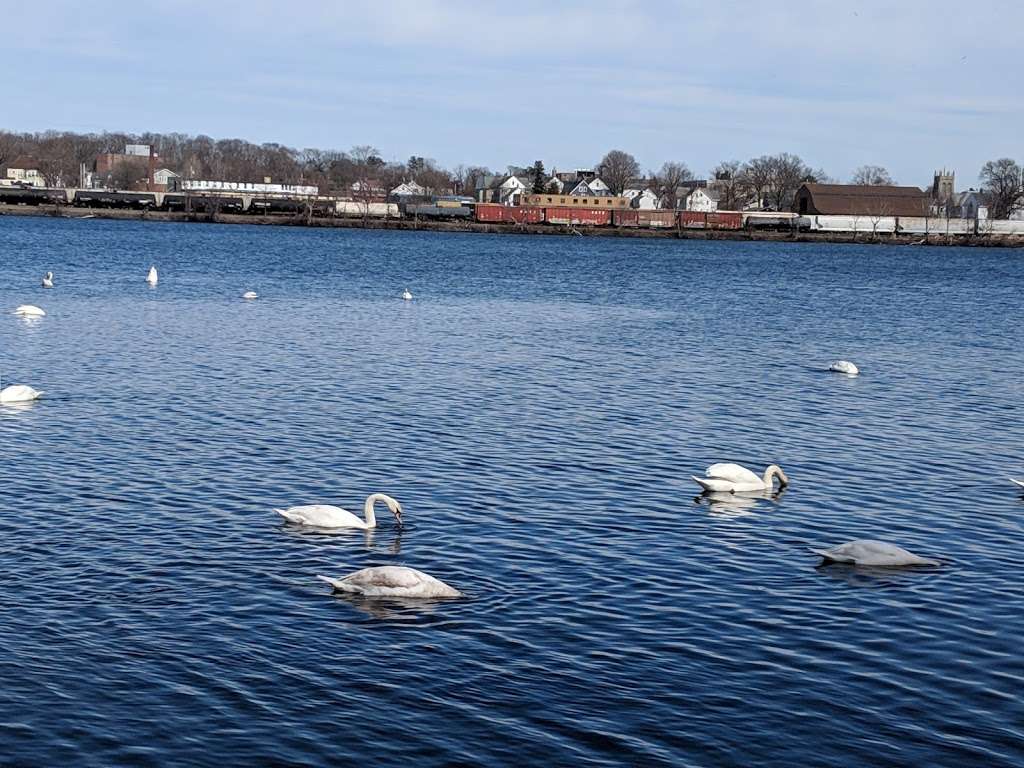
point(18, 393)
point(844, 366)
point(29, 310)
point(407, 295)
point(250, 295)
point(152, 277)
point(872, 553)
point(321, 516)
point(732, 472)
point(391, 581)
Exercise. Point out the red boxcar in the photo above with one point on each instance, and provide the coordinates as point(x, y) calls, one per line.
point(490, 212)
point(525, 214)
point(629, 218)
point(693, 219)
point(657, 219)
point(724, 220)
point(588, 216)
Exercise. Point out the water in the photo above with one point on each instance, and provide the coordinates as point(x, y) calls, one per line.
point(538, 409)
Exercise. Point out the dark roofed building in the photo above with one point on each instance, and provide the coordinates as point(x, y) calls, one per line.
point(860, 200)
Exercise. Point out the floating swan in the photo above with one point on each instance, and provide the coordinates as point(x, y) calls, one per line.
point(407, 295)
point(29, 310)
point(152, 277)
point(250, 295)
point(18, 393)
point(326, 516)
point(1017, 482)
point(48, 280)
point(869, 552)
point(732, 478)
point(391, 581)
point(843, 366)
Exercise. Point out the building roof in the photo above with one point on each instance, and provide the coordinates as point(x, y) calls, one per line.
point(711, 194)
point(862, 200)
point(22, 163)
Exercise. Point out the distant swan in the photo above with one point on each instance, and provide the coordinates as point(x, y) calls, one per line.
point(29, 310)
point(48, 280)
point(732, 478)
point(869, 552)
point(326, 516)
point(391, 581)
point(407, 295)
point(18, 393)
point(1017, 482)
point(152, 277)
point(250, 295)
point(843, 366)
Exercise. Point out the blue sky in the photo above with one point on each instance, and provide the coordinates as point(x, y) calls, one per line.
point(911, 85)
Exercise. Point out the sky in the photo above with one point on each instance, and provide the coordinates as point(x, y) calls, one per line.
point(913, 86)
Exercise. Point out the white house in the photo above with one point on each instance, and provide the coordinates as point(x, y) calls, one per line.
point(506, 190)
point(703, 199)
point(164, 176)
point(599, 187)
point(21, 172)
point(408, 189)
point(643, 199)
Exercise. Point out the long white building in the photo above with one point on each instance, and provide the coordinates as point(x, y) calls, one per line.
point(197, 185)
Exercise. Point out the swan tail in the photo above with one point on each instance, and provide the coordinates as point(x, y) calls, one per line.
point(827, 558)
point(702, 482)
point(291, 517)
point(337, 584)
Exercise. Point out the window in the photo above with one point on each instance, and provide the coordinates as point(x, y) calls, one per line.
point(575, 201)
point(549, 199)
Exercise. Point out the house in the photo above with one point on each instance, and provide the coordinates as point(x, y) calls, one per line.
point(642, 199)
point(861, 200)
point(970, 205)
point(166, 180)
point(505, 190)
point(703, 199)
point(409, 189)
point(22, 172)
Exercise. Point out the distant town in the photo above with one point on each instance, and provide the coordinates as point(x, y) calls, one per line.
point(199, 174)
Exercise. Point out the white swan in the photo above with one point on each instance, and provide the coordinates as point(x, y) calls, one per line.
point(29, 310)
point(843, 366)
point(391, 581)
point(152, 277)
point(732, 478)
point(407, 295)
point(869, 552)
point(18, 393)
point(326, 516)
point(48, 280)
point(250, 295)
point(1017, 482)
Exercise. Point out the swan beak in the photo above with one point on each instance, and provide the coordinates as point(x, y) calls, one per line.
point(398, 517)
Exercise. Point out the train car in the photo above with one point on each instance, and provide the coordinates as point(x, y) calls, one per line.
point(656, 219)
point(724, 220)
point(509, 214)
point(372, 210)
point(781, 221)
point(102, 198)
point(591, 217)
point(433, 211)
point(1000, 227)
point(31, 195)
point(626, 218)
point(875, 225)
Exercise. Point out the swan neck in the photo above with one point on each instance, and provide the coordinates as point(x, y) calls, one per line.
point(371, 518)
point(771, 473)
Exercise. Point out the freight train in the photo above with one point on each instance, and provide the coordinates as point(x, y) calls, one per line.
point(453, 208)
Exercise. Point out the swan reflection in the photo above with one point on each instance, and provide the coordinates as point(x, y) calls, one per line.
point(737, 504)
point(392, 539)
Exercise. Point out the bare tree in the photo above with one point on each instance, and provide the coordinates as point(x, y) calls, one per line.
point(731, 185)
point(787, 173)
point(11, 145)
point(55, 159)
point(757, 175)
point(667, 181)
point(1003, 184)
point(367, 163)
point(872, 175)
point(129, 172)
point(617, 169)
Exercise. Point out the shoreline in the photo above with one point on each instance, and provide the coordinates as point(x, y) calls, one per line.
point(71, 212)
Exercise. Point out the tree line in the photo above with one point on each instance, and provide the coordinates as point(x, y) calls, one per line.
point(768, 181)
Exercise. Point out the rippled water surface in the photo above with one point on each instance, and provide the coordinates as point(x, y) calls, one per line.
point(538, 409)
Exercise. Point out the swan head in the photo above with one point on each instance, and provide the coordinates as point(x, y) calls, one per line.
point(775, 471)
point(394, 506)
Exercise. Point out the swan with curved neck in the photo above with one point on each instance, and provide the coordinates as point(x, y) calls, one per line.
point(327, 516)
point(407, 295)
point(152, 277)
point(732, 478)
point(48, 280)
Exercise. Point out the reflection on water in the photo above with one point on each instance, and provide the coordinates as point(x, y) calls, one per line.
point(538, 414)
